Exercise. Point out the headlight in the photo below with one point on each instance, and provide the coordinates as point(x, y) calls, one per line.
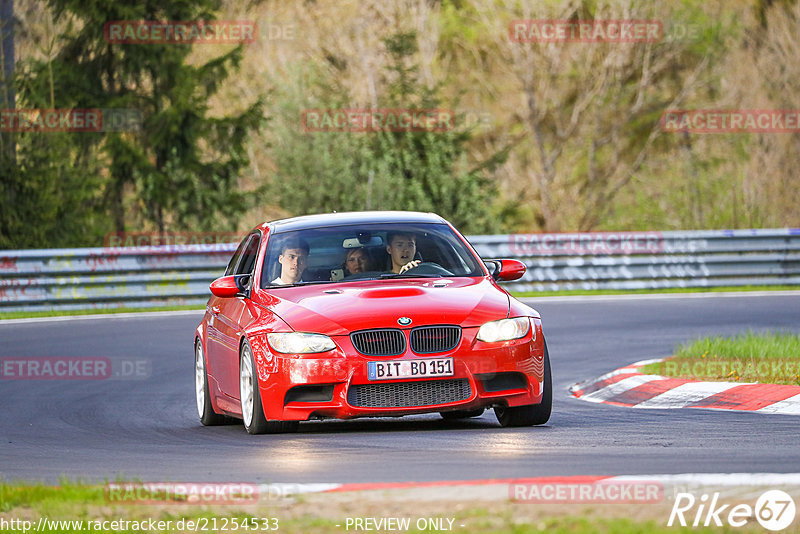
point(505, 329)
point(299, 343)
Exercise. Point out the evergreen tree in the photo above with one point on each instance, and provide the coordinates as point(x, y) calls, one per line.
point(428, 171)
point(181, 165)
point(387, 170)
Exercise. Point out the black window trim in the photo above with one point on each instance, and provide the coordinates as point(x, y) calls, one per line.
point(244, 245)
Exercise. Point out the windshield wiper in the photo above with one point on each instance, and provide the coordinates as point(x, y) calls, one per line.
point(410, 275)
point(298, 284)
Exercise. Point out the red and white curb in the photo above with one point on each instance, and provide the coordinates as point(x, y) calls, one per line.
point(628, 387)
point(507, 488)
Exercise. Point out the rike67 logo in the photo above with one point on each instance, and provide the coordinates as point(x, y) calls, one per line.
point(774, 510)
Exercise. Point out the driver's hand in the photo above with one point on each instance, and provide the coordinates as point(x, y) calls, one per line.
point(408, 266)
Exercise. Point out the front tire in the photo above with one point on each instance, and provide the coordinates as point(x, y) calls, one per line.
point(252, 410)
point(204, 408)
point(532, 414)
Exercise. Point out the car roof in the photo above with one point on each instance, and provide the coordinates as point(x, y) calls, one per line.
point(322, 220)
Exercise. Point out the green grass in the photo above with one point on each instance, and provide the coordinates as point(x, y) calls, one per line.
point(584, 292)
point(77, 501)
point(770, 358)
point(64, 313)
point(40, 495)
point(570, 525)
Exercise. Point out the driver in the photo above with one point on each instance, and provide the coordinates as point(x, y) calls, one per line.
point(293, 261)
point(401, 248)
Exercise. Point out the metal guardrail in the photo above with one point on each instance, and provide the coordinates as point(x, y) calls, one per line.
point(650, 260)
point(73, 279)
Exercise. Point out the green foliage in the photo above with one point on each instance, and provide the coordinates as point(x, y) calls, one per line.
point(49, 194)
point(182, 166)
point(384, 170)
point(321, 171)
point(748, 345)
point(770, 357)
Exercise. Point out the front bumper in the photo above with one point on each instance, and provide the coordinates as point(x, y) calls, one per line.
point(335, 384)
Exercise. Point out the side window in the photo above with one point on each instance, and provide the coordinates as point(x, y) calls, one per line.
point(249, 255)
point(236, 256)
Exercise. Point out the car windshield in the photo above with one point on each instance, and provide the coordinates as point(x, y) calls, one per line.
point(366, 252)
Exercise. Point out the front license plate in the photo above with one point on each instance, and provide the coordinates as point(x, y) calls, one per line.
point(410, 368)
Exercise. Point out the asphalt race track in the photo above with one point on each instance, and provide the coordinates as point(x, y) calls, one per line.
point(148, 428)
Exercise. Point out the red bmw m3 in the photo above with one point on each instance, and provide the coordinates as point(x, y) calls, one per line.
point(367, 314)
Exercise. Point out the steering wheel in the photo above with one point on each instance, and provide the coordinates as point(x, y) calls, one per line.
point(429, 267)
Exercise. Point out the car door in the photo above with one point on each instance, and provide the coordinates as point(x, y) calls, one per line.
point(214, 341)
point(230, 316)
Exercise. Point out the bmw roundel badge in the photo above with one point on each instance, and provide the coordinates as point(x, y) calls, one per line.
point(404, 321)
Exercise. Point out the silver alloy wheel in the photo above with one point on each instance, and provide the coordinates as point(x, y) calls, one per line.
point(199, 377)
point(246, 384)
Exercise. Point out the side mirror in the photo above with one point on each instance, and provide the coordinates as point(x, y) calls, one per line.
point(507, 270)
point(230, 286)
point(242, 282)
point(493, 266)
point(225, 287)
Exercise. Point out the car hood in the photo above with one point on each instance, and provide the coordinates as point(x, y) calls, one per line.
point(337, 309)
